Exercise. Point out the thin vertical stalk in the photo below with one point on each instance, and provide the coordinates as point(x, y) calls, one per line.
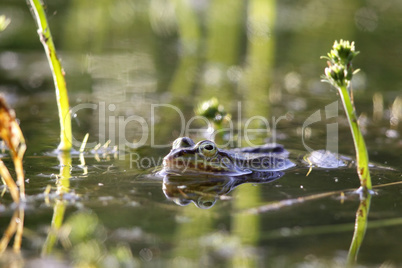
point(57, 72)
point(358, 140)
point(339, 73)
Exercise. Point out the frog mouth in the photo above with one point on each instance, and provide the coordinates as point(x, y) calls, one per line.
point(176, 165)
point(187, 165)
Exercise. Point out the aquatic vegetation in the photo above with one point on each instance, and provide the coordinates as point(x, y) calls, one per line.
point(57, 72)
point(4, 22)
point(214, 111)
point(15, 227)
point(82, 235)
point(339, 74)
point(11, 134)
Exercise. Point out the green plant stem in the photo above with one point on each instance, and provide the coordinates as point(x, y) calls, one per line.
point(63, 183)
point(358, 139)
point(57, 72)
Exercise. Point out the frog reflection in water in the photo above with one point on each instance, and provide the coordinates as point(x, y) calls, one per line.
point(202, 173)
point(206, 158)
point(205, 192)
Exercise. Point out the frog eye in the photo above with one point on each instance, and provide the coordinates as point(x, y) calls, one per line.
point(182, 142)
point(208, 148)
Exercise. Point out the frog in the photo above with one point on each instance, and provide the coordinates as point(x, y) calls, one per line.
point(206, 158)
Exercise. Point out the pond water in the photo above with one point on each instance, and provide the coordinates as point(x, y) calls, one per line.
point(137, 70)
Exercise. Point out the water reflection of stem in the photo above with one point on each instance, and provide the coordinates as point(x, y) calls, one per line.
point(63, 186)
point(16, 227)
point(57, 220)
point(360, 223)
point(186, 251)
point(20, 229)
point(246, 227)
point(360, 229)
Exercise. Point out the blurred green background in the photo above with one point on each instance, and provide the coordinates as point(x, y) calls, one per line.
point(261, 53)
point(259, 58)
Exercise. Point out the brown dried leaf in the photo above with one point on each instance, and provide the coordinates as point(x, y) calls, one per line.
point(10, 131)
point(11, 134)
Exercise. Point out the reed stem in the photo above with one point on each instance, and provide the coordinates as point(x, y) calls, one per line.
point(358, 140)
point(57, 72)
point(339, 74)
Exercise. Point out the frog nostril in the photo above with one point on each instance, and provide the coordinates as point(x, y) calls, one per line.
point(178, 154)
